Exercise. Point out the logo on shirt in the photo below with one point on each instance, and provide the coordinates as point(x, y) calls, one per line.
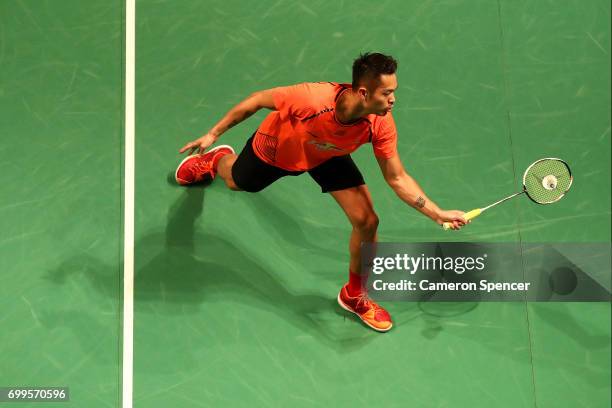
point(319, 113)
point(325, 146)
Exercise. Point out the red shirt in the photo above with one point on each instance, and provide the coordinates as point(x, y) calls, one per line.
point(303, 132)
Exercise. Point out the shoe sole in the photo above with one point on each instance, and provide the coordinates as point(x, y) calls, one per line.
point(348, 309)
point(197, 154)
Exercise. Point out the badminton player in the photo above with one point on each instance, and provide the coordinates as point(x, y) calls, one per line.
point(313, 128)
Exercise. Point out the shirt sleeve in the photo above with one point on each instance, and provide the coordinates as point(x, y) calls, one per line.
point(384, 138)
point(294, 100)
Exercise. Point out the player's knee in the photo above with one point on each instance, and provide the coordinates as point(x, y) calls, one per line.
point(367, 221)
point(232, 186)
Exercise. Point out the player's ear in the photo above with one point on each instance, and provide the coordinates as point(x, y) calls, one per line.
point(362, 92)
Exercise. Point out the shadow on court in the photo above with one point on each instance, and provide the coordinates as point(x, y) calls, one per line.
point(184, 271)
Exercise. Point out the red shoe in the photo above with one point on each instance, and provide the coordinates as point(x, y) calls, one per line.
point(198, 168)
point(369, 311)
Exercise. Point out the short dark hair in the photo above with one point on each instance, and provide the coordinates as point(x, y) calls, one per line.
point(371, 65)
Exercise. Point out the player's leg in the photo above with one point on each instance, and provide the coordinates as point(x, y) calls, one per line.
point(342, 179)
point(244, 172)
point(224, 170)
point(356, 202)
point(357, 205)
point(199, 168)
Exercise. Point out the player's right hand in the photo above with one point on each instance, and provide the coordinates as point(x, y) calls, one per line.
point(199, 145)
point(453, 217)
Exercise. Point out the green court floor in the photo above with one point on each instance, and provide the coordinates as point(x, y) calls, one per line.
point(234, 292)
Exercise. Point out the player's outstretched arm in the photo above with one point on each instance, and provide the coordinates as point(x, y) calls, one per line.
point(411, 193)
point(246, 108)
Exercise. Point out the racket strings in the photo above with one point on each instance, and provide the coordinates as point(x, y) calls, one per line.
point(547, 180)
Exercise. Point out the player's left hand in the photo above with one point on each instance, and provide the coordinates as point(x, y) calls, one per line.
point(199, 145)
point(455, 217)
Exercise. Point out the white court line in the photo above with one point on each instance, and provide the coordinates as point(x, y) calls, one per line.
point(128, 240)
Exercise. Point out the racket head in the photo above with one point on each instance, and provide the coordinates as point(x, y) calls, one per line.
point(547, 180)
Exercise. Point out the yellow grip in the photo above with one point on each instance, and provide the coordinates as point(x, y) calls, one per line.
point(468, 216)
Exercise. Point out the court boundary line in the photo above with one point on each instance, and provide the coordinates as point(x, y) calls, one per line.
point(128, 219)
point(520, 236)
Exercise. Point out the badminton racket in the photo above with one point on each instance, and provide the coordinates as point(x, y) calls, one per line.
point(545, 182)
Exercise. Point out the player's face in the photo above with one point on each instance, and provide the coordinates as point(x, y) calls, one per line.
point(382, 95)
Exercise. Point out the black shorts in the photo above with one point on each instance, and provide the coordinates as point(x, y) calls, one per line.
point(252, 174)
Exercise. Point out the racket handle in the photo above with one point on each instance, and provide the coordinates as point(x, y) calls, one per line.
point(468, 216)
